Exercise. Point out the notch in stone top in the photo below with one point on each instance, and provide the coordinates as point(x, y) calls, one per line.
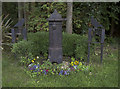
point(55, 16)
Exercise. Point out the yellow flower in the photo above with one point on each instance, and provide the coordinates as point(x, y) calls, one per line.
point(32, 60)
point(72, 63)
point(76, 62)
point(80, 63)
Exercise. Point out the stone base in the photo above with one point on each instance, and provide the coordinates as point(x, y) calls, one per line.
point(55, 55)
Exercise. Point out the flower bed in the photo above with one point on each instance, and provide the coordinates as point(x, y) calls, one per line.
point(47, 68)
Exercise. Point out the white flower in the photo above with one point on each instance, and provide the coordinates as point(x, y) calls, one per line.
point(37, 57)
point(62, 67)
point(30, 65)
point(90, 73)
point(75, 67)
point(68, 69)
point(36, 67)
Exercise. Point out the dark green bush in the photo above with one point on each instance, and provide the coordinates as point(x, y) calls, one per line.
point(74, 45)
point(22, 47)
point(81, 47)
point(38, 43)
point(69, 44)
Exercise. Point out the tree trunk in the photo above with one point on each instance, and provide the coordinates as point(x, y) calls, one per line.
point(0, 44)
point(33, 6)
point(20, 14)
point(0, 25)
point(25, 15)
point(69, 18)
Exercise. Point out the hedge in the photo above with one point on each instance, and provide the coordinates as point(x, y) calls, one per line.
point(38, 43)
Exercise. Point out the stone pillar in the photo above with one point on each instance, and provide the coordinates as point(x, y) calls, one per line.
point(55, 37)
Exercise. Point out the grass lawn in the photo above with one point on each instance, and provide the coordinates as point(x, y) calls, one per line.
point(105, 75)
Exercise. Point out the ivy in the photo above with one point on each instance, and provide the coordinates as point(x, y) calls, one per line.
point(103, 12)
point(37, 19)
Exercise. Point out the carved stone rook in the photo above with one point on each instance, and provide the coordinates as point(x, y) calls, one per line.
point(55, 37)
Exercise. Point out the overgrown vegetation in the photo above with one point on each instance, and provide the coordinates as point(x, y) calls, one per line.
point(5, 22)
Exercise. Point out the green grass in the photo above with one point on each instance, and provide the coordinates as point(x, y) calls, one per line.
point(0, 68)
point(105, 75)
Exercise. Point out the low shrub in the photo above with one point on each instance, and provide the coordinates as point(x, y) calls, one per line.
point(81, 47)
point(69, 44)
point(22, 48)
point(38, 43)
point(111, 40)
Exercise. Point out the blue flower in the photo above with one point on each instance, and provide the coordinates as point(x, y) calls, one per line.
point(34, 67)
point(38, 65)
point(30, 65)
point(44, 71)
point(65, 72)
point(68, 72)
point(61, 72)
point(31, 68)
point(75, 66)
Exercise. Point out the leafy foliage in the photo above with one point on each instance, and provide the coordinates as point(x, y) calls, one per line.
point(10, 8)
point(34, 68)
point(37, 19)
point(73, 45)
point(5, 22)
point(81, 47)
point(69, 44)
point(22, 47)
point(40, 42)
point(37, 44)
point(103, 12)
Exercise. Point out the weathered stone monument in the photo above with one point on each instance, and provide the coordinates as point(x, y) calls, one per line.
point(55, 37)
